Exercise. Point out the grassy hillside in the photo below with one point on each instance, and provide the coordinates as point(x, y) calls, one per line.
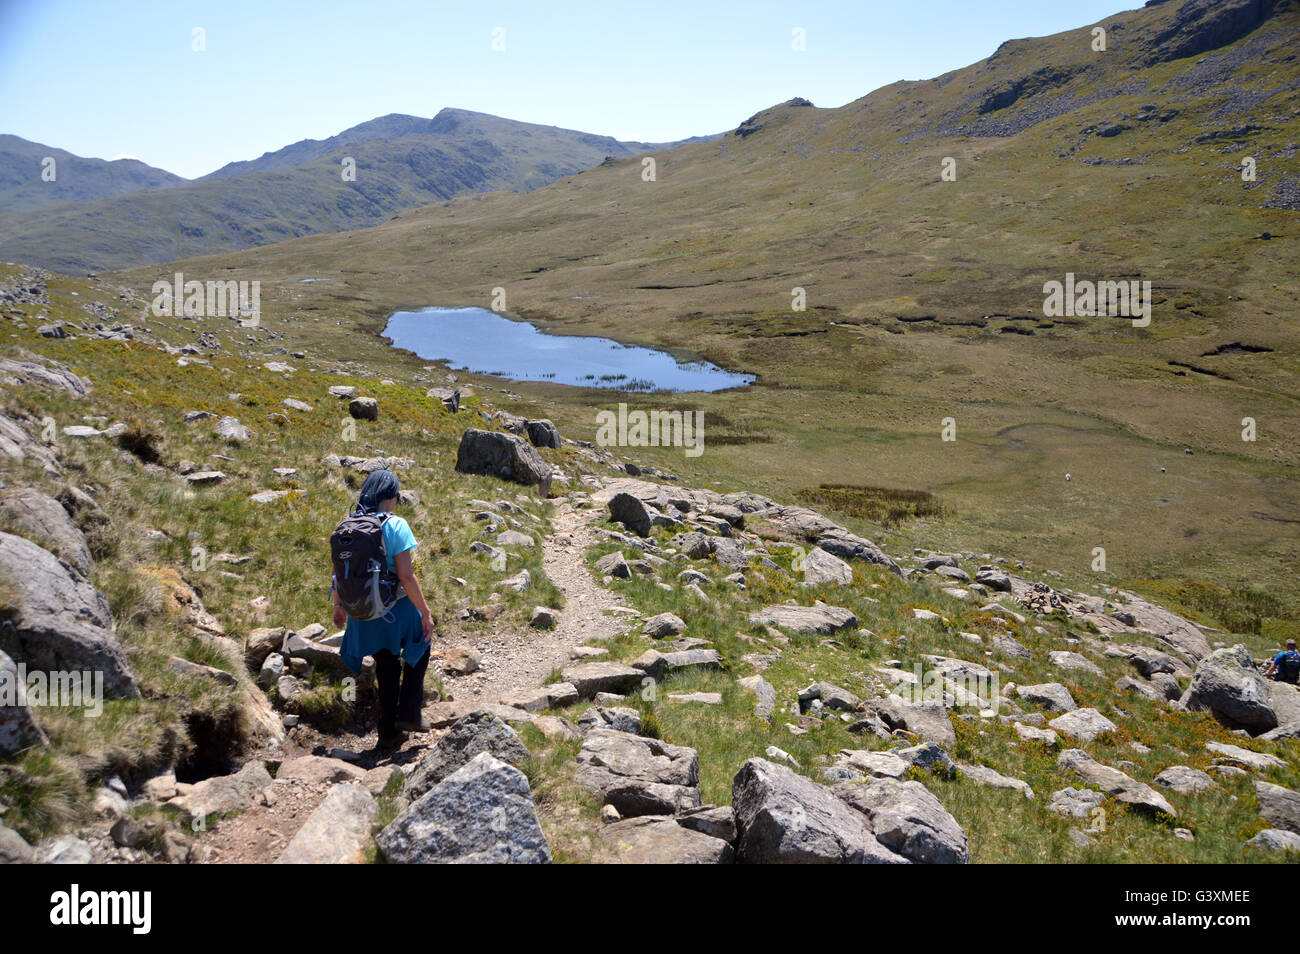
point(400, 162)
point(925, 297)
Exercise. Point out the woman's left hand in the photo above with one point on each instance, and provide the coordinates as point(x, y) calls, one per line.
point(340, 617)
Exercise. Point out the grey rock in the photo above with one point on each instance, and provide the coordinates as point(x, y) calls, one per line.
point(223, 794)
point(1074, 802)
point(46, 374)
point(43, 519)
point(695, 545)
point(714, 821)
point(617, 718)
point(550, 696)
point(478, 732)
point(987, 776)
point(1049, 695)
point(64, 850)
point(14, 849)
point(765, 696)
point(1114, 782)
point(337, 832)
point(543, 433)
point(631, 512)
point(57, 621)
point(1073, 662)
point(591, 678)
point(819, 619)
point(993, 578)
point(502, 455)
point(662, 841)
point(1139, 687)
point(665, 624)
point(930, 722)
point(1082, 724)
point(1183, 779)
point(1149, 661)
point(482, 813)
point(1227, 685)
point(1273, 839)
point(614, 564)
point(908, 819)
point(1011, 647)
point(1247, 757)
point(231, 429)
point(1031, 734)
point(786, 818)
point(822, 567)
point(364, 408)
point(639, 776)
point(18, 727)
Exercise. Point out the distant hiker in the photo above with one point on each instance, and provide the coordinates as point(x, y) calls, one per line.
point(1285, 666)
point(375, 591)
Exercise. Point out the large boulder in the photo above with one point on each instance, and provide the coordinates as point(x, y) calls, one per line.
point(1285, 700)
point(818, 620)
point(639, 776)
point(908, 819)
point(1279, 806)
point(823, 567)
point(542, 433)
point(1228, 686)
point(483, 813)
point(631, 513)
point(42, 518)
point(480, 731)
point(337, 832)
point(18, 728)
point(55, 620)
point(929, 721)
point(654, 840)
point(786, 818)
point(506, 456)
point(364, 408)
point(1114, 782)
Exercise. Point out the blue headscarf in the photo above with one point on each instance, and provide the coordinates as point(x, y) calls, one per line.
point(379, 485)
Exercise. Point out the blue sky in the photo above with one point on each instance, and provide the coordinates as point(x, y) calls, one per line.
point(120, 77)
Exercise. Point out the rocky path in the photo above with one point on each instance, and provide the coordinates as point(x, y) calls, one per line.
point(510, 661)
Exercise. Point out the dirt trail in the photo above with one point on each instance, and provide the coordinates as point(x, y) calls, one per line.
point(524, 660)
point(511, 660)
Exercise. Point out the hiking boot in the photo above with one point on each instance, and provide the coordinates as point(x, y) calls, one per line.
point(391, 740)
point(418, 726)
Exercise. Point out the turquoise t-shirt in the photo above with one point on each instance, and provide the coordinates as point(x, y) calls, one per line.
point(398, 538)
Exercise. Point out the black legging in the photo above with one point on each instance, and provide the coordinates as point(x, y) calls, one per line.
point(401, 689)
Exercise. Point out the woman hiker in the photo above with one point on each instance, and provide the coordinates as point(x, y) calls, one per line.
point(398, 641)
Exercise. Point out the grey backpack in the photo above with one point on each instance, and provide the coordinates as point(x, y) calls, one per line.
point(366, 588)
